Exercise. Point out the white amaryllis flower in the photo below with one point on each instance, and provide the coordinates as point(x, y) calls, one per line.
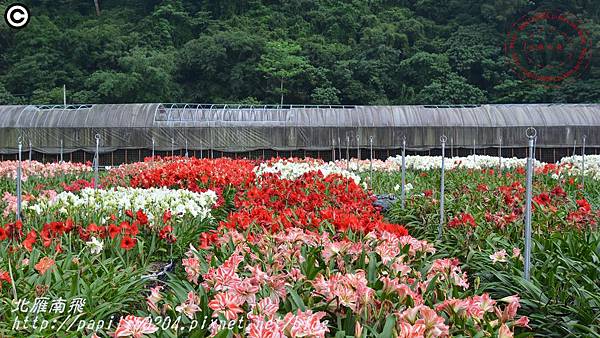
point(95, 246)
point(153, 202)
point(573, 166)
point(292, 170)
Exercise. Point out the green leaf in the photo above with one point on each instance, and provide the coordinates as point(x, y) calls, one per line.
point(388, 328)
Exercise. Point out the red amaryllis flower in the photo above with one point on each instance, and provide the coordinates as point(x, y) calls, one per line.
point(584, 206)
point(394, 228)
point(558, 191)
point(542, 199)
point(207, 238)
point(141, 217)
point(132, 229)
point(113, 231)
point(44, 264)
point(464, 219)
point(30, 240)
point(128, 243)
point(166, 234)
point(3, 234)
point(5, 276)
point(129, 213)
point(166, 216)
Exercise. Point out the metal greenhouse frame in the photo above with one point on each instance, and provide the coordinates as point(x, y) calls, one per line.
point(127, 130)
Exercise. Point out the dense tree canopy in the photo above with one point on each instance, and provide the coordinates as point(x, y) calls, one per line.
point(255, 51)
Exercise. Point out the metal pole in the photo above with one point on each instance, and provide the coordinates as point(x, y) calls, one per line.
point(474, 153)
point(152, 148)
point(20, 144)
point(500, 155)
point(443, 140)
point(358, 147)
point(403, 192)
point(172, 147)
point(347, 152)
point(333, 149)
point(96, 160)
point(61, 151)
point(531, 135)
point(339, 148)
point(186, 147)
point(451, 147)
point(30, 151)
point(583, 163)
point(371, 164)
point(574, 144)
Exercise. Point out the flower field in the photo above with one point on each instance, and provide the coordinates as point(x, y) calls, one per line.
point(186, 247)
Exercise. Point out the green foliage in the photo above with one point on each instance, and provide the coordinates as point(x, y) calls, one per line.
point(319, 52)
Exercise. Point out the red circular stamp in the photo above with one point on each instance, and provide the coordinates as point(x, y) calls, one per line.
point(549, 47)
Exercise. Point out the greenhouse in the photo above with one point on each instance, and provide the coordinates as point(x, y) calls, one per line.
point(127, 132)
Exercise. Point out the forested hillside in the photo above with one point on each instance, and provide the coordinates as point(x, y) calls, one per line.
point(250, 51)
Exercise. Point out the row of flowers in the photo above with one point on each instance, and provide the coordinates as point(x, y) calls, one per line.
point(152, 201)
point(567, 166)
point(8, 169)
point(294, 168)
point(420, 162)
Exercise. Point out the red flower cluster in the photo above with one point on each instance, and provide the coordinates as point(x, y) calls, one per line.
point(310, 201)
point(4, 277)
point(583, 217)
point(78, 185)
point(462, 219)
point(196, 174)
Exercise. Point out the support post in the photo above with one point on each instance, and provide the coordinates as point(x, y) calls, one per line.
point(500, 155)
point(583, 163)
point(371, 163)
point(443, 140)
point(347, 152)
point(358, 147)
point(96, 160)
point(403, 191)
point(19, 169)
point(531, 135)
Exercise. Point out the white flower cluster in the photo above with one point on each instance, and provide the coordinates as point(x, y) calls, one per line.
point(291, 170)
point(573, 165)
point(153, 202)
point(469, 162)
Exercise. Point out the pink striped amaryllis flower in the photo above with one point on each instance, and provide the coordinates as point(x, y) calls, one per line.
point(350, 290)
point(305, 324)
point(228, 304)
point(190, 306)
point(260, 328)
point(136, 327)
point(421, 321)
